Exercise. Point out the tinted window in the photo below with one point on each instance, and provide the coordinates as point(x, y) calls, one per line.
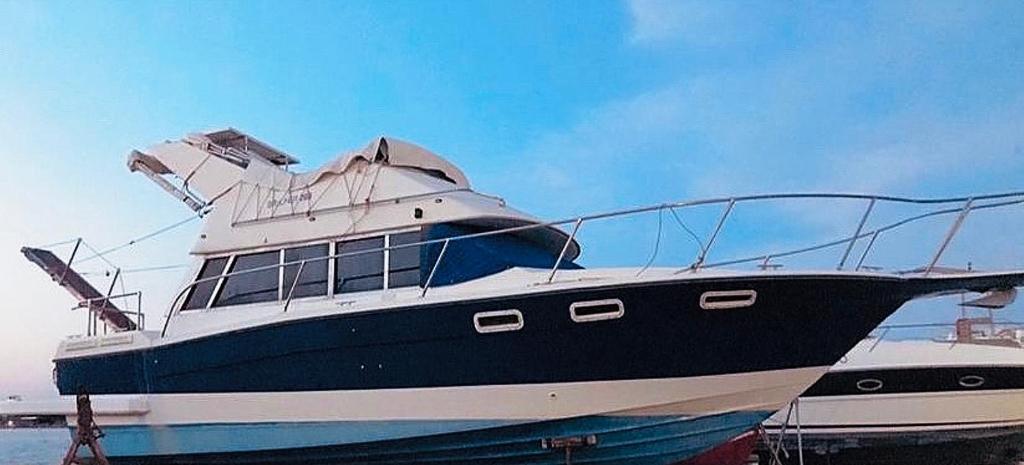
point(362, 272)
point(255, 286)
point(313, 281)
point(200, 294)
point(404, 263)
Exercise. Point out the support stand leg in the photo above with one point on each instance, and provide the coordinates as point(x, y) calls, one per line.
point(87, 433)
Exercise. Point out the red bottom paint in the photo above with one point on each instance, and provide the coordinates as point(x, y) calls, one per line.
point(735, 452)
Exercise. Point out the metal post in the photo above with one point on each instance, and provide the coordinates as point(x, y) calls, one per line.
point(565, 248)
point(721, 221)
point(879, 339)
point(867, 249)
point(72, 259)
point(856, 234)
point(142, 316)
point(953, 229)
point(430, 277)
point(295, 281)
point(799, 432)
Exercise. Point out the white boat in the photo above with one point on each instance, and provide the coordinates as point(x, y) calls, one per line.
point(956, 401)
point(378, 310)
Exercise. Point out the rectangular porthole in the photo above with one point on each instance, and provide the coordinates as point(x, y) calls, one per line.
point(596, 310)
point(720, 300)
point(497, 321)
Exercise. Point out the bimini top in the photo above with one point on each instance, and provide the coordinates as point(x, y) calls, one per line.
point(254, 201)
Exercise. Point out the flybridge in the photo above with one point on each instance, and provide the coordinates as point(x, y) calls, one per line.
point(251, 199)
point(229, 145)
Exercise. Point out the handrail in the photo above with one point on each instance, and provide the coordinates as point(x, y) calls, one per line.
point(92, 323)
point(977, 203)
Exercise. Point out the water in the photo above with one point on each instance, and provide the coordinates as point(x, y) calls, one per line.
point(30, 446)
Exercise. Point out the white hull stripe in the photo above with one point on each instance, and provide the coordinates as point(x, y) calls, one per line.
point(695, 396)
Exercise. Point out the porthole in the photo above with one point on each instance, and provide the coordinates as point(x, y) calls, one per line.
point(869, 385)
point(721, 300)
point(498, 321)
point(971, 381)
point(596, 310)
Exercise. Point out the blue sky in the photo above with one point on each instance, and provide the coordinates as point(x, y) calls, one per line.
point(561, 107)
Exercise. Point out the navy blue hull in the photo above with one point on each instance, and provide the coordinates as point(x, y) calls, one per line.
point(797, 321)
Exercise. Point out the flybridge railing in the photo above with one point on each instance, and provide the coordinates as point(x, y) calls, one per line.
point(961, 206)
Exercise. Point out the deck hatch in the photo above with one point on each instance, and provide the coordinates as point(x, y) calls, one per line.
point(498, 321)
point(596, 310)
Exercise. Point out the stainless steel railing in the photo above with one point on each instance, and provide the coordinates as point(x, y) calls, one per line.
point(962, 206)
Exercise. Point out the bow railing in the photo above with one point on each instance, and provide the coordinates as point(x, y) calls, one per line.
point(961, 207)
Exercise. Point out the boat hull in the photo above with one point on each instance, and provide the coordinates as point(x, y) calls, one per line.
point(678, 418)
point(422, 377)
point(976, 446)
point(916, 402)
point(796, 321)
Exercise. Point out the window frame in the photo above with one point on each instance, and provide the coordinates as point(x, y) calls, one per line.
point(332, 269)
point(285, 286)
point(231, 264)
point(502, 328)
point(602, 316)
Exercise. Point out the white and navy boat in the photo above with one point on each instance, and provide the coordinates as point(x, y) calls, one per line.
point(930, 402)
point(377, 310)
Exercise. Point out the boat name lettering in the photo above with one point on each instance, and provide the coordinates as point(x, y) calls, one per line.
point(289, 199)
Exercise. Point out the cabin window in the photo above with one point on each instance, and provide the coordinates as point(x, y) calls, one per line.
point(313, 280)
point(404, 263)
point(359, 272)
point(596, 310)
point(971, 381)
point(498, 321)
point(869, 385)
point(200, 294)
point(252, 286)
point(721, 300)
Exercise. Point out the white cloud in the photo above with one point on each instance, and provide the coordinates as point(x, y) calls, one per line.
point(893, 102)
point(695, 22)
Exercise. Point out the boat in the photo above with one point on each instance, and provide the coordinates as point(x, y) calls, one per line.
point(379, 310)
point(957, 400)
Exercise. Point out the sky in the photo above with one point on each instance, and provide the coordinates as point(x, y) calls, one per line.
point(562, 108)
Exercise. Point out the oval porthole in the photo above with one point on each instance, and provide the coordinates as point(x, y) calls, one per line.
point(497, 321)
point(869, 385)
point(971, 381)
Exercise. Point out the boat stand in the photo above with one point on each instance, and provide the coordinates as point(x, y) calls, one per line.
point(87, 433)
point(777, 446)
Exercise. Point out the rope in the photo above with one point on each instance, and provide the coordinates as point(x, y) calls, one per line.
point(137, 240)
point(657, 245)
point(56, 244)
point(134, 270)
point(693, 235)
